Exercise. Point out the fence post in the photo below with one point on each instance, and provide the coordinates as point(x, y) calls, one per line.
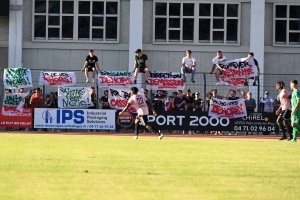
point(204, 96)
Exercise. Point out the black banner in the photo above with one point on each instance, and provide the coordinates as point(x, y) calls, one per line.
point(190, 120)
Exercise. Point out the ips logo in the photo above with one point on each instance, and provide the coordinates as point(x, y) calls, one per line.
point(63, 116)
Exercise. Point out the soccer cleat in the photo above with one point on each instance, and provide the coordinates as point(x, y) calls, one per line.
point(193, 80)
point(160, 136)
point(217, 83)
point(283, 138)
point(292, 140)
point(135, 137)
point(87, 80)
point(134, 82)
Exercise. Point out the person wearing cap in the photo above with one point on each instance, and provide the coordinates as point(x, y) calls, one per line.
point(251, 54)
point(188, 65)
point(89, 66)
point(140, 65)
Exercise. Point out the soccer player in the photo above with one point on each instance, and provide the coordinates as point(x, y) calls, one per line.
point(295, 109)
point(284, 111)
point(140, 103)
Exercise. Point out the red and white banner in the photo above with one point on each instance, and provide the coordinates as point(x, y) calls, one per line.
point(57, 78)
point(236, 71)
point(227, 108)
point(165, 81)
point(118, 98)
point(18, 120)
point(115, 78)
point(13, 103)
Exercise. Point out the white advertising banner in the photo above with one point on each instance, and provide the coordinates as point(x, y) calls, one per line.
point(74, 97)
point(74, 118)
point(57, 78)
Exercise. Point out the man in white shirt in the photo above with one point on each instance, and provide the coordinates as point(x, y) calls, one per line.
point(188, 65)
point(219, 58)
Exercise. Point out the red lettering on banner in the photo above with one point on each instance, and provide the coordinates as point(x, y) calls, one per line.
point(118, 103)
point(227, 112)
point(55, 80)
point(238, 72)
point(10, 108)
point(166, 82)
point(115, 80)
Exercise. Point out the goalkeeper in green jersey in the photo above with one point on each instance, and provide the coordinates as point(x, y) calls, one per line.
point(295, 119)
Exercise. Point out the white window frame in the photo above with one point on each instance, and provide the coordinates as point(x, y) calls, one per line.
point(287, 18)
point(196, 18)
point(75, 16)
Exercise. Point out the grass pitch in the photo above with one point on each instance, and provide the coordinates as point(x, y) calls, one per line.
point(110, 167)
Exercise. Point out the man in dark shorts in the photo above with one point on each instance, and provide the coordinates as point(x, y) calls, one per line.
point(140, 65)
point(89, 66)
point(251, 54)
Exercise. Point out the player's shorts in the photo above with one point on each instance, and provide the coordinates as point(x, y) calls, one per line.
point(285, 114)
point(142, 69)
point(295, 119)
point(90, 68)
point(143, 119)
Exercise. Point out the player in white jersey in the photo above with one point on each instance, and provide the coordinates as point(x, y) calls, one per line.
point(141, 105)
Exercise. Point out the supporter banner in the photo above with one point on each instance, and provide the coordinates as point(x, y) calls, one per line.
point(118, 98)
point(165, 81)
point(235, 71)
point(18, 120)
point(74, 97)
point(115, 78)
point(74, 118)
point(227, 108)
point(16, 78)
point(200, 121)
point(13, 103)
point(57, 78)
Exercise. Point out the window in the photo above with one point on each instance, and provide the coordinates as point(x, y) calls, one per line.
point(76, 20)
point(286, 24)
point(197, 23)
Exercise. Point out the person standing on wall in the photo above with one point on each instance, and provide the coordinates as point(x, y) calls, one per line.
point(89, 66)
point(140, 65)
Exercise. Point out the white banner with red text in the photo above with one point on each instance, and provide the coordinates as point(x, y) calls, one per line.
point(115, 78)
point(74, 118)
point(118, 98)
point(159, 80)
point(74, 97)
point(236, 71)
point(57, 78)
point(13, 104)
point(227, 108)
